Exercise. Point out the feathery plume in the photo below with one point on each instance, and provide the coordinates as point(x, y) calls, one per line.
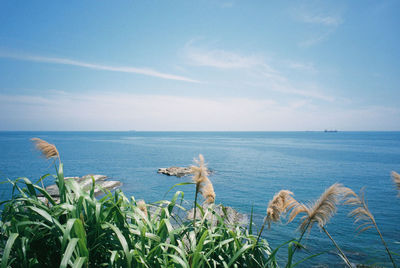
point(48, 150)
point(142, 206)
point(203, 184)
point(367, 221)
point(280, 203)
point(361, 213)
point(207, 190)
point(396, 180)
point(200, 171)
point(323, 209)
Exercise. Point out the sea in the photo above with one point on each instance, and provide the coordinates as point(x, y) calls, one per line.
point(248, 169)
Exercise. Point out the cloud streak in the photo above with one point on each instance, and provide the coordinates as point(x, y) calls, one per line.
point(94, 66)
point(324, 20)
point(259, 70)
point(220, 58)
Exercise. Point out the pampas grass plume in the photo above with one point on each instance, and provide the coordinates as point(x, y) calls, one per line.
point(361, 213)
point(396, 180)
point(323, 209)
point(203, 184)
point(142, 206)
point(48, 150)
point(280, 203)
point(208, 192)
point(200, 171)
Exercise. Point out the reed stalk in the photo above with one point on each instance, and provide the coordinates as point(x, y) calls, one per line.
point(362, 214)
point(195, 204)
point(321, 211)
point(338, 248)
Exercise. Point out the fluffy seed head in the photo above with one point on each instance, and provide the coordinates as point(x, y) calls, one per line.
point(207, 190)
point(142, 206)
point(48, 150)
point(323, 209)
point(361, 213)
point(200, 171)
point(280, 203)
point(396, 180)
point(203, 184)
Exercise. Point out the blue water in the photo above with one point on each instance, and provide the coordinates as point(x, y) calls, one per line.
point(250, 167)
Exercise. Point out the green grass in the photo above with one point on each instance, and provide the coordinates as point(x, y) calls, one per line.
point(111, 231)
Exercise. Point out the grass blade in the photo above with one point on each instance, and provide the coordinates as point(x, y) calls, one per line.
point(7, 249)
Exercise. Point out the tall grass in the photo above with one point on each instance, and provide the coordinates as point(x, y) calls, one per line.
point(116, 231)
point(80, 230)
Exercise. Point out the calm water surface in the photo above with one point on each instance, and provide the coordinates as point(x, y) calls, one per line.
point(250, 167)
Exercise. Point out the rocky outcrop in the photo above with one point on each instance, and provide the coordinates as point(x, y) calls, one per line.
point(178, 171)
point(85, 183)
point(175, 171)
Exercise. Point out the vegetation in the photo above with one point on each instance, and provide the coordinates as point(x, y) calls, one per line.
point(80, 230)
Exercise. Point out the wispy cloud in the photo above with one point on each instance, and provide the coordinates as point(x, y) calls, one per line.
point(319, 12)
point(325, 18)
point(262, 73)
point(321, 19)
point(301, 66)
point(219, 58)
point(316, 38)
point(94, 66)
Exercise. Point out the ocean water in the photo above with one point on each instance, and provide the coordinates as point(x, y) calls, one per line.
point(249, 168)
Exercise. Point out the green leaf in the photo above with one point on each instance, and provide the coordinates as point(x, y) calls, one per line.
point(178, 260)
point(307, 258)
point(178, 184)
point(197, 254)
point(79, 262)
point(239, 253)
point(46, 216)
point(123, 243)
point(68, 252)
point(7, 249)
point(251, 220)
point(46, 194)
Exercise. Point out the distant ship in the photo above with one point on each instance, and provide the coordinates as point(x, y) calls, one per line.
point(327, 130)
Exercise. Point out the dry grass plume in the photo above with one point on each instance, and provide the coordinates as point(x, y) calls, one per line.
point(203, 184)
point(280, 203)
point(48, 150)
point(361, 213)
point(142, 206)
point(365, 218)
point(323, 209)
point(396, 180)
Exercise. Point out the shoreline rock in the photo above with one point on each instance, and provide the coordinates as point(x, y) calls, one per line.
point(178, 171)
point(85, 182)
point(175, 171)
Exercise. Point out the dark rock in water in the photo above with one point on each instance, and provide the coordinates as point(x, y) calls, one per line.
point(175, 171)
point(230, 215)
point(85, 183)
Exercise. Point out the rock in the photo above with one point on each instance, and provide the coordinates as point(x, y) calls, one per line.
point(175, 171)
point(85, 183)
point(178, 171)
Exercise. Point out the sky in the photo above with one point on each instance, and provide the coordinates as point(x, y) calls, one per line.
point(199, 65)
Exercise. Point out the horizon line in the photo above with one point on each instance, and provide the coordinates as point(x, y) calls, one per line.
point(323, 130)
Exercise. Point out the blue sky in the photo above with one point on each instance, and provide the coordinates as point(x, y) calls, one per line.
point(199, 65)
